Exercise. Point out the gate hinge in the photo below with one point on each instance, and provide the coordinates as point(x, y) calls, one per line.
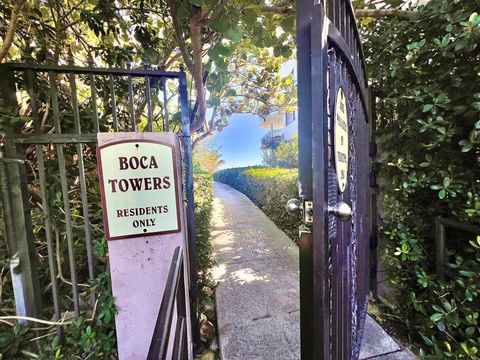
point(308, 212)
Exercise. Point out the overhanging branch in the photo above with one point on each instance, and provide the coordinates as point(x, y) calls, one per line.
point(359, 13)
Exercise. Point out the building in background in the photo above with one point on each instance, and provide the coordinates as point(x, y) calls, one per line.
point(282, 126)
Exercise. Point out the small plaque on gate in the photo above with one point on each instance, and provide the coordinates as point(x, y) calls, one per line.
point(340, 144)
point(138, 183)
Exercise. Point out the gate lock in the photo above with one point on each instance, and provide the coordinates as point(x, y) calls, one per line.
point(296, 208)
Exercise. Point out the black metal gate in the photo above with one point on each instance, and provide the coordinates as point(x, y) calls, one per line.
point(50, 116)
point(334, 180)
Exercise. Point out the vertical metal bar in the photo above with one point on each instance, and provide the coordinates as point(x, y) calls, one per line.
point(31, 93)
point(149, 104)
point(348, 31)
point(66, 203)
point(132, 104)
point(342, 18)
point(165, 104)
point(440, 240)
point(83, 184)
point(192, 246)
point(114, 103)
point(20, 223)
point(93, 91)
point(48, 234)
point(45, 205)
point(373, 226)
point(7, 208)
point(304, 10)
point(319, 165)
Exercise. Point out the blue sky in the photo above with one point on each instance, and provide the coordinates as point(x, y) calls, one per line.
point(239, 142)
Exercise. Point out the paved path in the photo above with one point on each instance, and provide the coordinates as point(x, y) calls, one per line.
point(258, 291)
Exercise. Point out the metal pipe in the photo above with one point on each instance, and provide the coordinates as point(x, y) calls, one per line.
point(132, 105)
point(113, 102)
point(191, 232)
point(94, 70)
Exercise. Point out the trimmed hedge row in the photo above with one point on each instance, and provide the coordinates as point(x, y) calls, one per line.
point(269, 189)
point(203, 188)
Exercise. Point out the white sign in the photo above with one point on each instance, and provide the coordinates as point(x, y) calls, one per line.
point(340, 144)
point(138, 182)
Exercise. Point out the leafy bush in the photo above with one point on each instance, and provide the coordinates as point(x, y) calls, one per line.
point(269, 189)
point(426, 72)
point(203, 188)
point(285, 154)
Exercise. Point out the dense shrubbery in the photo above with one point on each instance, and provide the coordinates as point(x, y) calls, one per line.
point(203, 187)
point(426, 70)
point(269, 189)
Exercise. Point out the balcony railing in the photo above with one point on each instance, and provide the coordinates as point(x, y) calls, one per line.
point(272, 139)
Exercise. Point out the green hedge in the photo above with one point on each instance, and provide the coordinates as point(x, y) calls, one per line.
point(203, 188)
point(425, 70)
point(269, 189)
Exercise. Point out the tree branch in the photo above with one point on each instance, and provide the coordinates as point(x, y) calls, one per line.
point(377, 13)
point(8, 38)
point(196, 23)
point(179, 36)
point(209, 129)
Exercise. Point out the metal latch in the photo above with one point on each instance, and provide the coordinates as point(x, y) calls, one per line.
point(296, 208)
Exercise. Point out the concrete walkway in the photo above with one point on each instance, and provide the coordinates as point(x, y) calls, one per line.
point(258, 291)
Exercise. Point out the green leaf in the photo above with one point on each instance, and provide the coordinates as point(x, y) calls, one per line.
point(427, 340)
point(235, 34)
point(441, 326)
point(214, 101)
point(220, 50)
point(198, 3)
point(447, 305)
point(231, 92)
point(446, 182)
point(470, 331)
point(435, 187)
point(427, 107)
point(442, 194)
point(436, 317)
point(288, 23)
point(220, 23)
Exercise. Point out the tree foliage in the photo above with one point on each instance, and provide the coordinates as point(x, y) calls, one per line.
point(285, 155)
point(206, 158)
point(425, 70)
point(220, 43)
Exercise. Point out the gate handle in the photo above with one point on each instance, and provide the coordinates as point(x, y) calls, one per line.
point(294, 207)
point(341, 210)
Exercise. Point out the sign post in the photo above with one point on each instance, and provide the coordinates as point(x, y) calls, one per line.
point(144, 222)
